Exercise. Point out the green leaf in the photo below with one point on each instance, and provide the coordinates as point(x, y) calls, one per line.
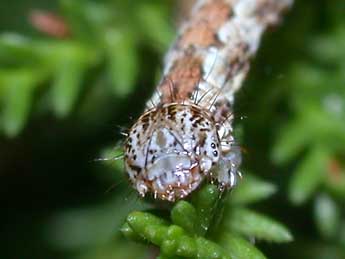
point(309, 175)
point(71, 66)
point(87, 19)
point(122, 57)
point(252, 224)
point(206, 202)
point(148, 226)
point(17, 93)
point(15, 48)
point(327, 215)
point(326, 48)
point(250, 190)
point(173, 240)
point(184, 215)
point(129, 233)
point(208, 249)
point(239, 248)
point(153, 23)
point(291, 141)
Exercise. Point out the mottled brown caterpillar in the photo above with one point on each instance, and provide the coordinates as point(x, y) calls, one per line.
point(186, 135)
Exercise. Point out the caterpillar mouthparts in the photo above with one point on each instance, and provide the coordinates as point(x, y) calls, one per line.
point(172, 148)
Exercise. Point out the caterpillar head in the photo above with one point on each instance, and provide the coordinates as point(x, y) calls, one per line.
point(171, 149)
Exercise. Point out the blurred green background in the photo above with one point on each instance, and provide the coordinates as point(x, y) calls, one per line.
point(66, 95)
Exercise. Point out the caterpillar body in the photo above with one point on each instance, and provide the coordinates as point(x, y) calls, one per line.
point(186, 133)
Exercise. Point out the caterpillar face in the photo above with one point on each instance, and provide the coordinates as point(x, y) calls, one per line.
point(171, 149)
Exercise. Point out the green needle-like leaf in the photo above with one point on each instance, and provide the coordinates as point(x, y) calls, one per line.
point(160, 32)
point(172, 240)
point(184, 215)
point(327, 215)
point(129, 233)
point(206, 203)
point(122, 58)
point(17, 97)
point(250, 190)
point(239, 248)
point(309, 175)
point(292, 140)
point(17, 49)
point(148, 226)
point(252, 224)
point(68, 81)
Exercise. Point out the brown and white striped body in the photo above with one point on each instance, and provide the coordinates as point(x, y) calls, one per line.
point(185, 135)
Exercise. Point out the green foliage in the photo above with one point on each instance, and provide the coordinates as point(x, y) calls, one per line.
point(202, 229)
point(240, 220)
point(239, 247)
point(309, 175)
point(99, 37)
point(327, 215)
point(255, 225)
point(252, 190)
point(317, 131)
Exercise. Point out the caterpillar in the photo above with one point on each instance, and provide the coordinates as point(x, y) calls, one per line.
point(185, 135)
